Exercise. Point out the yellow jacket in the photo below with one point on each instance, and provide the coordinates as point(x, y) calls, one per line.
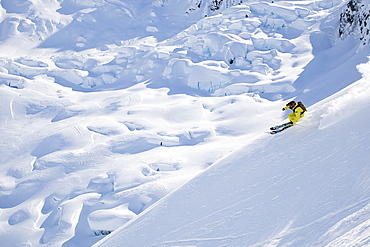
point(296, 114)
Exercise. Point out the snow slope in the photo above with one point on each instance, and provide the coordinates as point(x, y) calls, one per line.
point(306, 187)
point(106, 107)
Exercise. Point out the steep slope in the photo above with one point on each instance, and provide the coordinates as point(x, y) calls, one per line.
point(307, 187)
point(101, 113)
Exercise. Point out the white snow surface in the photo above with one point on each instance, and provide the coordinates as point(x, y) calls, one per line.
point(149, 120)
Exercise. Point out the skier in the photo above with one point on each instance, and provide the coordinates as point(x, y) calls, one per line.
point(298, 112)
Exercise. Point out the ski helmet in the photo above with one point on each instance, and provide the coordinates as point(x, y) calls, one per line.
point(291, 104)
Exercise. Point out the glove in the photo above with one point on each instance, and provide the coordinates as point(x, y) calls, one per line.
point(283, 109)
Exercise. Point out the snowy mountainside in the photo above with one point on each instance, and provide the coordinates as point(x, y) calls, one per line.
point(107, 107)
point(307, 187)
point(80, 25)
point(246, 49)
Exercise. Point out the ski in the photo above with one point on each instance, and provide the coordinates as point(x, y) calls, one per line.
point(280, 126)
point(273, 132)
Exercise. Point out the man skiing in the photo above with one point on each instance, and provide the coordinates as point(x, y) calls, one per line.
point(298, 113)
